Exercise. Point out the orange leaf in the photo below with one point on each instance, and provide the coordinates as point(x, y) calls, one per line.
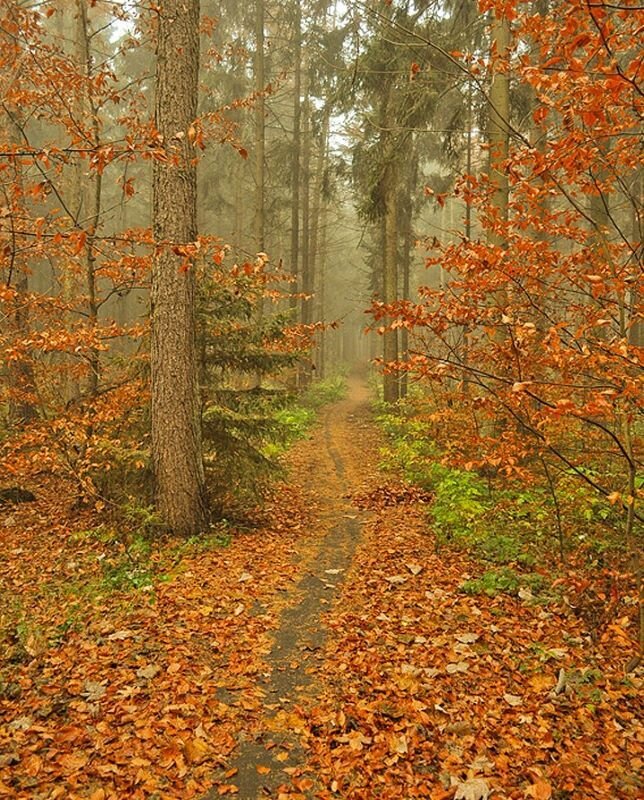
point(541, 790)
point(195, 751)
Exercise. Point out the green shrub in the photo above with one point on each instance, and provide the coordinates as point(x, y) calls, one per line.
point(460, 501)
point(501, 581)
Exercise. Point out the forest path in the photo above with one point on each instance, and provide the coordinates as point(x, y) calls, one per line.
point(334, 464)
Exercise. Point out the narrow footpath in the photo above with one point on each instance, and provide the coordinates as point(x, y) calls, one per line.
point(333, 465)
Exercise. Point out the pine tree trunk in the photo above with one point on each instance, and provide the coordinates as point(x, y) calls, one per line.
point(318, 236)
point(307, 274)
point(390, 281)
point(408, 244)
point(260, 127)
point(499, 135)
point(176, 426)
point(297, 144)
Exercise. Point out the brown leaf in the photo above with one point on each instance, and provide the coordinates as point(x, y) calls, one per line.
point(195, 751)
point(540, 790)
point(119, 636)
point(33, 765)
point(148, 672)
point(467, 638)
point(513, 699)
point(474, 789)
point(72, 762)
point(398, 744)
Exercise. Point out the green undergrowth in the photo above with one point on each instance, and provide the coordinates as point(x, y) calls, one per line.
point(297, 417)
point(509, 528)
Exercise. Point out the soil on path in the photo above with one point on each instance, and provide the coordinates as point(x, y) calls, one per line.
point(338, 461)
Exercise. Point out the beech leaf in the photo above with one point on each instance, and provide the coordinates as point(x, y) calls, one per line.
point(459, 666)
point(513, 699)
point(473, 789)
point(467, 638)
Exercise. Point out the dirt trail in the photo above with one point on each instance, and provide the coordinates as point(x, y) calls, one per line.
point(334, 466)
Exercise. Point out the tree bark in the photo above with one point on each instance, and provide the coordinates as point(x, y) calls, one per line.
point(89, 188)
point(499, 132)
point(390, 280)
point(297, 144)
point(22, 410)
point(176, 423)
point(260, 126)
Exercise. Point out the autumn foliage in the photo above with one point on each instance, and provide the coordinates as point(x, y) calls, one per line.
point(535, 344)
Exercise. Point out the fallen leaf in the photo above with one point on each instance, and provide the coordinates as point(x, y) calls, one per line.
point(119, 636)
point(513, 699)
point(467, 638)
point(540, 790)
point(398, 744)
point(195, 751)
point(473, 789)
point(148, 672)
point(460, 666)
point(396, 579)
point(33, 765)
point(93, 691)
point(72, 762)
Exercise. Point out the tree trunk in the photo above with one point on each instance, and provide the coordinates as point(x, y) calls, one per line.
point(20, 372)
point(176, 424)
point(307, 273)
point(408, 244)
point(260, 151)
point(260, 127)
point(318, 234)
point(89, 188)
point(499, 134)
point(295, 170)
point(390, 281)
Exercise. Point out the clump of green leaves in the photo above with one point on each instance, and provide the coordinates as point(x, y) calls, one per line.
point(504, 580)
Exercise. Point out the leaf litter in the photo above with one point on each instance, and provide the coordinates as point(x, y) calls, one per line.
point(419, 691)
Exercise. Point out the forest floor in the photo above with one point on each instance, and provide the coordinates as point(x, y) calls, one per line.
point(324, 652)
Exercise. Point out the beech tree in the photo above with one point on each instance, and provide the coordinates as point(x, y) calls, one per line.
point(176, 424)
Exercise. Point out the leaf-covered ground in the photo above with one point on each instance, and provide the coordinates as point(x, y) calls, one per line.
point(327, 652)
